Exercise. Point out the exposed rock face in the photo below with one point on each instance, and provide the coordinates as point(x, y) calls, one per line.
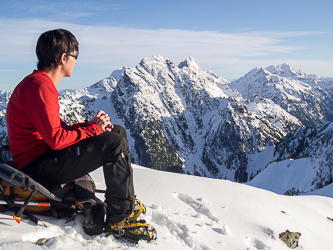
point(290, 238)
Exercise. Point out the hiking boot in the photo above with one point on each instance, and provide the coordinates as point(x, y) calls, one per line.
point(139, 209)
point(132, 231)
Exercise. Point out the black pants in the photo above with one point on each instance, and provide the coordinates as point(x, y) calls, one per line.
point(110, 150)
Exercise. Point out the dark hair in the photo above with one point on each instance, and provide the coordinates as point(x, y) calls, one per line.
point(52, 44)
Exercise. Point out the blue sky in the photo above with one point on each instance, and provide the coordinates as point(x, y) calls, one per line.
point(227, 37)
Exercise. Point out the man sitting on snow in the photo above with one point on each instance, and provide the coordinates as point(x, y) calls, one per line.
point(52, 152)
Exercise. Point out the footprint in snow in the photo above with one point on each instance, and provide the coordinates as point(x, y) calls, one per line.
point(183, 233)
point(257, 244)
point(225, 230)
point(198, 205)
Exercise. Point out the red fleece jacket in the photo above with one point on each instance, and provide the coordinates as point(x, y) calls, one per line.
point(33, 120)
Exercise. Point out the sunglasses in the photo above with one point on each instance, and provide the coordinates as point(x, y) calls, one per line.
point(76, 55)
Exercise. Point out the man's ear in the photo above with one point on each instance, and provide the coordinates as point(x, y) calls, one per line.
point(63, 59)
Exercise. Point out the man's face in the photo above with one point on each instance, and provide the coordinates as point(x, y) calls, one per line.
point(70, 63)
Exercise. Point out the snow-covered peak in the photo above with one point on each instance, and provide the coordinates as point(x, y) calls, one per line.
point(156, 64)
point(190, 63)
point(284, 70)
point(154, 61)
point(118, 73)
point(4, 96)
point(304, 96)
point(279, 83)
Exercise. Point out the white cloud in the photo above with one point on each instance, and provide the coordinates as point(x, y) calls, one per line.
point(100, 43)
point(113, 47)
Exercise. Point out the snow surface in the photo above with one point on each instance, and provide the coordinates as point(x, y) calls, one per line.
point(192, 212)
point(286, 175)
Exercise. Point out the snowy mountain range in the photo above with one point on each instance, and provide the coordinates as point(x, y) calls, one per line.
point(186, 119)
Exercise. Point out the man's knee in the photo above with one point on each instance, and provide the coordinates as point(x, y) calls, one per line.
point(112, 142)
point(117, 149)
point(119, 130)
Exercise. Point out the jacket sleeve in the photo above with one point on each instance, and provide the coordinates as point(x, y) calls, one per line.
point(42, 106)
point(78, 125)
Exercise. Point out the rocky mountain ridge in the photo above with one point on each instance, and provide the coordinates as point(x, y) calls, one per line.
point(186, 119)
point(307, 97)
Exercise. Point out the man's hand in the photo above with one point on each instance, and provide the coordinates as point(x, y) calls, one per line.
point(103, 120)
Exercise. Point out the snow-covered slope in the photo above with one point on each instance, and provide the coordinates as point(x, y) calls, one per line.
point(304, 163)
point(192, 212)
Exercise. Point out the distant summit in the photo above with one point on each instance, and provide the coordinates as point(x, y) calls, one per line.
point(303, 96)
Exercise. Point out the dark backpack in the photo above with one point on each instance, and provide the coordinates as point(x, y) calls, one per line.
point(27, 198)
